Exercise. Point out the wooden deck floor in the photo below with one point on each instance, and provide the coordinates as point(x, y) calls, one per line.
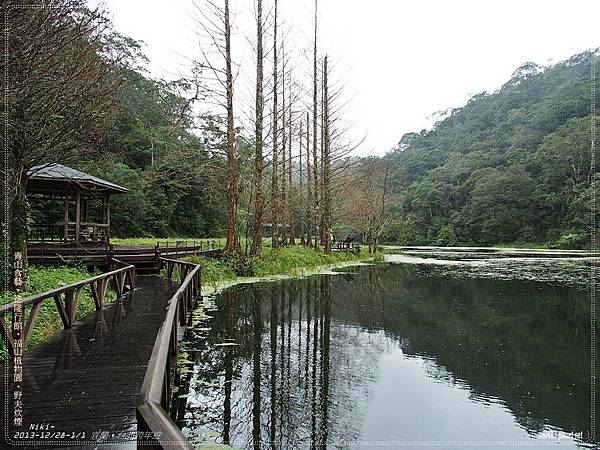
point(84, 382)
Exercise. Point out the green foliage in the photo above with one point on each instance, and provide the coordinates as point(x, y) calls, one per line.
point(571, 240)
point(151, 146)
point(447, 236)
point(214, 270)
point(509, 166)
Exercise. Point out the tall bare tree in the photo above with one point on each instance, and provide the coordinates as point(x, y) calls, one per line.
point(314, 130)
point(301, 186)
point(322, 229)
point(284, 205)
point(233, 243)
point(326, 161)
point(337, 147)
point(290, 206)
point(274, 180)
point(309, 189)
point(258, 136)
point(214, 22)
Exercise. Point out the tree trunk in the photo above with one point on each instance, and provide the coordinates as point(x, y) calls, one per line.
point(323, 230)
point(309, 190)
point(258, 140)
point(232, 244)
point(300, 188)
point(326, 162)
point(315, 174)
point(291, 215)
point(274, 182)
point(284, 205)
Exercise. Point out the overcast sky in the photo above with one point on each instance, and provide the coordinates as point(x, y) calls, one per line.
point(402, 60)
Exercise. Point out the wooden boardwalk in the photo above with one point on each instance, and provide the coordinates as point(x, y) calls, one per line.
point(84, 382)
point(145, 259)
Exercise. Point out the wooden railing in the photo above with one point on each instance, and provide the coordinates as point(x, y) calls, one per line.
point(154, 401)
point(46, 232)
point(347, 245)
point(66, 299)
point(91, 231)
point(88, 232)
point(183, 248)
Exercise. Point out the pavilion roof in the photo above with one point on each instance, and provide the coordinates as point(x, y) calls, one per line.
point(54, 177)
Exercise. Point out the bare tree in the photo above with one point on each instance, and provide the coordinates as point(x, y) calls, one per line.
point(337, 149)
point(314, 143)
point(274, 181)
point(322, 229)
point(309, 182)
point(258, 137)
point(301, 186)
point(215, 27)
point(290, 207)
point(284, 205)
point(233, 243)
point(326, 184)
point(364, 201)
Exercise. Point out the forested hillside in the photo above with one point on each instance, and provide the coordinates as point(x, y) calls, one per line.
point(511, 166)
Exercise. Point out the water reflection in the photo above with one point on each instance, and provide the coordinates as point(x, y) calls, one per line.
point(390, 353)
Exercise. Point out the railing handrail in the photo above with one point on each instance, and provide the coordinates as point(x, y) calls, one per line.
point(97, 224)
point(179, 261)
point(69, 287)
point(185, 243)
point(67, 299)
point(161, 344)
point(151, 400)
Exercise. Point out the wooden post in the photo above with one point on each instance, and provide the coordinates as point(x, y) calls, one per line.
point(85, 209)
point(66, 218)
point(157, 257)
point(77, 215)
point(35, 308)
point(108, 218)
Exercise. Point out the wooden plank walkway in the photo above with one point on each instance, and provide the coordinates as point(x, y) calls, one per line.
point(84, 381)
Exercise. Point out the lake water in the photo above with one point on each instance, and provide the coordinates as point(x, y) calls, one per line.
point(435, 348)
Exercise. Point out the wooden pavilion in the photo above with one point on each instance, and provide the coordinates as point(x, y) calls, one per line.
point(79, 192)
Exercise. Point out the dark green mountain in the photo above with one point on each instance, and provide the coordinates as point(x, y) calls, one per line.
point(512, 166)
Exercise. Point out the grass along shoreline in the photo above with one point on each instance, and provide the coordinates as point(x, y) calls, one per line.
point(288, 261)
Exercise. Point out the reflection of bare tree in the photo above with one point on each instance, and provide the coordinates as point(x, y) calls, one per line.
point(326, 294)
point(230, 300)
point(273, 423)
point(283, 390)
point(256, 375)
point(313, 404)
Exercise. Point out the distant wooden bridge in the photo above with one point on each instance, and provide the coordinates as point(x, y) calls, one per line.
point(105, 381)
point(145, 259)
